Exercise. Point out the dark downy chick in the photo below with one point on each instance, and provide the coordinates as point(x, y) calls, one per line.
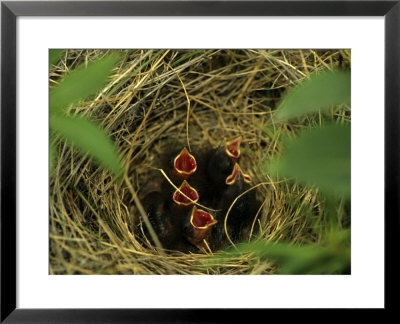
point(179, 165)
point(222, 159)
point(241, 215)
point(219, 165)
point(232, 148)
point(154, 203)
point(164, 217)
point(183, 200)
point(160, 218)
point(214, 167)
point(197, 227)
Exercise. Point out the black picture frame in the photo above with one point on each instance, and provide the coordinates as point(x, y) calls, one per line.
point(10, 10)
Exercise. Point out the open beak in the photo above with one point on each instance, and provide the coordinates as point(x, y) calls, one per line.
point(202, 222)
point(233, 148)
point(185, 163)
point(237, 174)
point(185, 190)
point(200, 219)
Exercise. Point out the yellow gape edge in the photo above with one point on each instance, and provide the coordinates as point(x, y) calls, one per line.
point(209, 219)
point(185, 163)
point(185, 195)
point(237, 171)
point(233, 148)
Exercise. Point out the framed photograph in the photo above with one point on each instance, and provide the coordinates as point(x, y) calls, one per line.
point(163, 158)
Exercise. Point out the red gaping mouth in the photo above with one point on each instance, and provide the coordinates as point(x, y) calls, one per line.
point(185, 163)
point(200, 219)
point(187, 190)
point(237, 172)
point(232, 148)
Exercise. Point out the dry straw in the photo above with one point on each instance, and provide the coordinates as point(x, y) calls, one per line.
point(158, 98)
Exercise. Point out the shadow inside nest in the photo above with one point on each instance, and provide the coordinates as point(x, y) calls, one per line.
point(199, 201)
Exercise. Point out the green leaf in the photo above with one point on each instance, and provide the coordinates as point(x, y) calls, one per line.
point(81, 83)
point(319, 156)
point(319, 92)
point(52, 156)
point(88, 138)
point(55, 55)
point(290, 259)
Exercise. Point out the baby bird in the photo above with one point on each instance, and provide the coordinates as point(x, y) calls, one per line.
point(153, 202)
point(198, 227)
point(232, 148)
point(185, 195)
point(212, 178)
point(185, 163)
point(160, 219)
point(179, 165)
point(164, 217)
point(219, 164)
point(220, 161)
point(237, 212)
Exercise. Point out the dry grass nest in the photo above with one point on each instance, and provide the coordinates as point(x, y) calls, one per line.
point(198, 98)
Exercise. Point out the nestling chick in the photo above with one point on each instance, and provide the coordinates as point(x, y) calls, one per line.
point(164, 217)
point(232, 148)
point(240, 216)
point(216, 181)
point(219, 165)
point(179, 164)
point(160, 219)
point(198, 226)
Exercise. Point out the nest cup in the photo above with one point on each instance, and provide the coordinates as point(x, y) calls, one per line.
point(156, 99)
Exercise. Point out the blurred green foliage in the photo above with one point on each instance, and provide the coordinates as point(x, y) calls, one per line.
point(81, 83)
point(320, 92)
point(88, 138)
point(52, 156)
point(318, 156)
point(55, 55)
point(307, 259)
point(81, 132)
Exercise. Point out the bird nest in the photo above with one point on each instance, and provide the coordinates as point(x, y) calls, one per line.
point(156, 100)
